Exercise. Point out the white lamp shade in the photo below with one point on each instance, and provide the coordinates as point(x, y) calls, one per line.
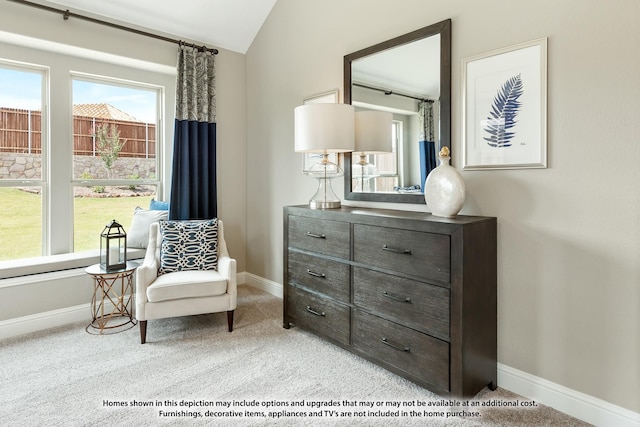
point(324, 128)
point(373, 132)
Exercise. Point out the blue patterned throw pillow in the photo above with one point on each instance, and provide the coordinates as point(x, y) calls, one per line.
point(188, 245)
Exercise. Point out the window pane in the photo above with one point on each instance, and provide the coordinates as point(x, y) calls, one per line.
point(20, 223)
point(114, 135)
point(21, 174)
point(95, 207)
point(20, 124)
point(114, 138)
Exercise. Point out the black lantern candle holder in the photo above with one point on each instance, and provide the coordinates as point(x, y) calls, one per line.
point(113, 247)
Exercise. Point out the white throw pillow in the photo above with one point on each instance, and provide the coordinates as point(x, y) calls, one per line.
point(138, 235)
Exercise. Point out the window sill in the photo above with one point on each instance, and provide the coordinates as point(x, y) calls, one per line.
point(51, 263)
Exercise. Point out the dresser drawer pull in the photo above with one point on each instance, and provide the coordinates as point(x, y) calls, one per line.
point(396, 346)
point(312, 311)
point(397, 250)
point(314, 274)
point(317, 236)
point(396, 298)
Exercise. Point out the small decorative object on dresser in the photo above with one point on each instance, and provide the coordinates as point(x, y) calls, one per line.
point(444, 189)
point(411, 292)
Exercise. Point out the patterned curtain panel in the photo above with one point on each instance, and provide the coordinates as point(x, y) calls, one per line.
point(426, 139)
point(193, 184)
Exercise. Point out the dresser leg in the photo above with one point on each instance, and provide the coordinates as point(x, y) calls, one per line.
point(492, 386)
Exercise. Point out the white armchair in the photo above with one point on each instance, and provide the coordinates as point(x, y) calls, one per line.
point(183, 293)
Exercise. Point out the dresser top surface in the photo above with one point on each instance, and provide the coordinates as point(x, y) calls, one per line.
point(386, 213)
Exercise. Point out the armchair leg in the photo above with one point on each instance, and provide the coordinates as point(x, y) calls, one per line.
point(143, 331)
point(230, 319)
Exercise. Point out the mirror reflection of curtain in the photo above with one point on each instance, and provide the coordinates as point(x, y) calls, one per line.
point(193, 184)
point(426, 139)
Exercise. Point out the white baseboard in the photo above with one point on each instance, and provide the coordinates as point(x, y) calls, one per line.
point(579, 405)
point(49, 319)
point(269, 286)
point(46, 320)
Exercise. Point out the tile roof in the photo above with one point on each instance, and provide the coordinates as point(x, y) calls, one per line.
point(102, 111)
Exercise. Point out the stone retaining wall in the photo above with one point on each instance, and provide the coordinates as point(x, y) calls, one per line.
point(29, 166)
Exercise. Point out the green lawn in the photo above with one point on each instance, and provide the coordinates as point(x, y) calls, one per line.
point(20, 221)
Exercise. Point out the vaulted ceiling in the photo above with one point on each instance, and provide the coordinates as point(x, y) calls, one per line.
point(227, 24)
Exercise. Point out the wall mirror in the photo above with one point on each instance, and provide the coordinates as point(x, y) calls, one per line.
point(409, 76)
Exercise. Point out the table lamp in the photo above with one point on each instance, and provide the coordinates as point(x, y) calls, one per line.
point(324, 129)
point(373, 136)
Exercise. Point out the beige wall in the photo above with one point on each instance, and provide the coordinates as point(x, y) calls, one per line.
point(569, 235)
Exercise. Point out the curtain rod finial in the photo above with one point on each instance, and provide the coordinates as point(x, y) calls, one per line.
point(65, 15)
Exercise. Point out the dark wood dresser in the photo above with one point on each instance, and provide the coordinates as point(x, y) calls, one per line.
point(411, 292)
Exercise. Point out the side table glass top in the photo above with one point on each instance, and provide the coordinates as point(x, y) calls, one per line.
point(98, 270)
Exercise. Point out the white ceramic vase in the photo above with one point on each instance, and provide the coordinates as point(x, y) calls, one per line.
point(444, 189)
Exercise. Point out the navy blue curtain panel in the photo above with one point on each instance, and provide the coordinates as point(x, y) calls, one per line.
point(427, 160)
point(193, 187)
point(193, 182)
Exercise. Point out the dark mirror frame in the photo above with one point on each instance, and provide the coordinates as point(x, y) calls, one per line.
point(444, 29)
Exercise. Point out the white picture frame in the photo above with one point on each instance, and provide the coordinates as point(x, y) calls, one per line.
point(505, 108)
point(329, 97)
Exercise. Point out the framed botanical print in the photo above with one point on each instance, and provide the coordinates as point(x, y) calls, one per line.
point(505, 108)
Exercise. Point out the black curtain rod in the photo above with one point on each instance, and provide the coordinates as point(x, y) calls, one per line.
point(66, 15)
point(390, 92)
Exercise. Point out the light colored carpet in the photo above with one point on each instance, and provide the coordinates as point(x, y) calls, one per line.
point(67, 377)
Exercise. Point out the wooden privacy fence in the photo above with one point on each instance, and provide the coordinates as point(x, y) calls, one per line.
point(20, 132)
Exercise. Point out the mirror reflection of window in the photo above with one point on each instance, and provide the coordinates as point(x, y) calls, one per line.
point(388, 164)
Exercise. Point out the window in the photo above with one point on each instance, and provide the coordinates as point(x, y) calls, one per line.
point(43, 166)
point(115, 164)
point(22, 159)
point(387, 164)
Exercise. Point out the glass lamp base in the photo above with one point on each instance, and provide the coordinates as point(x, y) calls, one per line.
point(324, 198)
point(324, 171)
point(321, 204)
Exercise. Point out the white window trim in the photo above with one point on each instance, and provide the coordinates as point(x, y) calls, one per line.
point(50, 263)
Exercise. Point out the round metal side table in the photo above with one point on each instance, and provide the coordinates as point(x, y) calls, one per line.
point(112, 302)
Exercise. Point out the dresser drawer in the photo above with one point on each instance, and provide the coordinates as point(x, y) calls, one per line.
point(318, 314)
point(416, 253)
point(320, 274)
point(414, 304)
point(417, 355)
point(320, 235)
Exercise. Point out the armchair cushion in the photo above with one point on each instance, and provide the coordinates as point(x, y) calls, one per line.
point(188, 245)
point(187, 284)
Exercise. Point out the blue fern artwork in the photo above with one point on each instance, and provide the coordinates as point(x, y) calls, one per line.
point(504, 110)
